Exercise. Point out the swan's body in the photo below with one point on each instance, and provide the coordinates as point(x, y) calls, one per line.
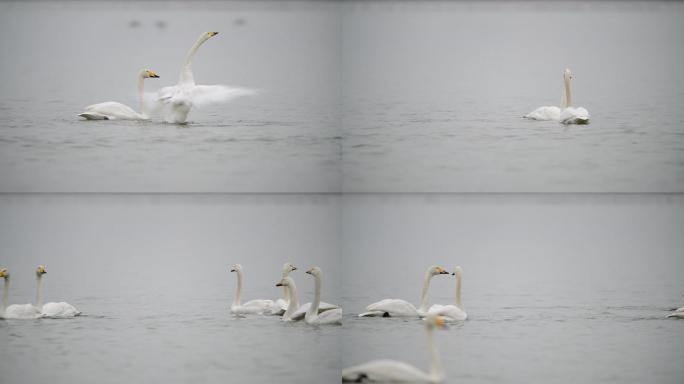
point(52, 309)
point(565, 115)
point(180, 97)
point(15, 311)
point(452, 312)
point(392, 371)
point(112, 110)
point(313, 317)
point(257, 306)
point(402, 308)
point(679, 312)
point(280, 305)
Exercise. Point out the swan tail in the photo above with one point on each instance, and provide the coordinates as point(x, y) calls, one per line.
point(93, 116)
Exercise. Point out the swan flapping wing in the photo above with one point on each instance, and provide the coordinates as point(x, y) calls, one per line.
point(211, 94)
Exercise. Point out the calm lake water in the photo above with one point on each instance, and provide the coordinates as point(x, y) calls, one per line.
point(558, 288)
point(60, 57)
point(434, 93)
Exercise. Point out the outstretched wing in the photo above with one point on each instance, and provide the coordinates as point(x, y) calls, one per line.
point(211, 94)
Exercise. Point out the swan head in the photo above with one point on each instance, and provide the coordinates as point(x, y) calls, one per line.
point(146, 74)
point(567, 75)
point(236, 268)
point(208, 35)
point(437, 270)
point(315, 271)
point(40, 271)
point(458, 271)
point(4, 273)
point(432, 321)
point(288, 267)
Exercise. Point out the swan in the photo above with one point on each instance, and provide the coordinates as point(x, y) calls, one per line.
point(402, 308)
point(333, 316)
point(15, 311)
point(452, 312)
point(280, 305)
point(679, 312)
point(52, 309)
point(111, 110)
point(180, 97)
point(568, 114)
point(392, 371)
point(251, 307)
point(294, 311)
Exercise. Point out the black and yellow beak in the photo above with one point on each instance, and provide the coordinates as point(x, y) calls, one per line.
point(212, 34)
point(279, 285)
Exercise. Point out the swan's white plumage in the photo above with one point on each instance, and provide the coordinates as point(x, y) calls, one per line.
point(21, 311)
point(545, 113)
point(112, 110)
point(402, 308)
point(60, 309)
point(314, 315)
point(257, 306)
point(391, 371)
point(449, 312)
point(565, 115)
point(303, 309)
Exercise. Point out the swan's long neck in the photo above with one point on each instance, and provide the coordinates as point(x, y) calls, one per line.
point(238, 293)
point(286, 295)
point(436, 371)
point(141, 89)
point(568, 96)
point(424, 298)
point(458, 290)
point(39, 291)
point(293, 306)
point(313, 310)
point(5, 293)
point(186, 73)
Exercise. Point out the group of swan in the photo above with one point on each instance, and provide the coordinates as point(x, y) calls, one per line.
point(567, 114)
point(402, 308)
point(315, 313)
point(30, 311)
point(177, 99)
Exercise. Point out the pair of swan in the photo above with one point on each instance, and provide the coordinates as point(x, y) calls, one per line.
point(178, 99)
point(392, 371)
point(30, 311)
point(568, 114)
point(289, 307)
point(402, 308)
point(316, 313)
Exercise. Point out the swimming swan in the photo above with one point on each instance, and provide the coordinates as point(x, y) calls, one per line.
point(566, 115)
point(251, 307)
point(280, 305)
point(452, 312)
point(402, 308)
point(58, 310)
point(111, 110)
point(294, 311)
point(15, 311)
point(392, 371)
point(333, 316)
point(679, 312)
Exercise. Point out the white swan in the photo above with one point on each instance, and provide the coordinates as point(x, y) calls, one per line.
point(402, 308)
point(452, 312)
point(181, 97)
point(280, 305)
point(294, 311)
point(251, 307)
point(111, 110)
point(568, 114)
point(333, 316)
point(679, 312)
point(60, 310)
point(15, 311)
point(392, 371)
